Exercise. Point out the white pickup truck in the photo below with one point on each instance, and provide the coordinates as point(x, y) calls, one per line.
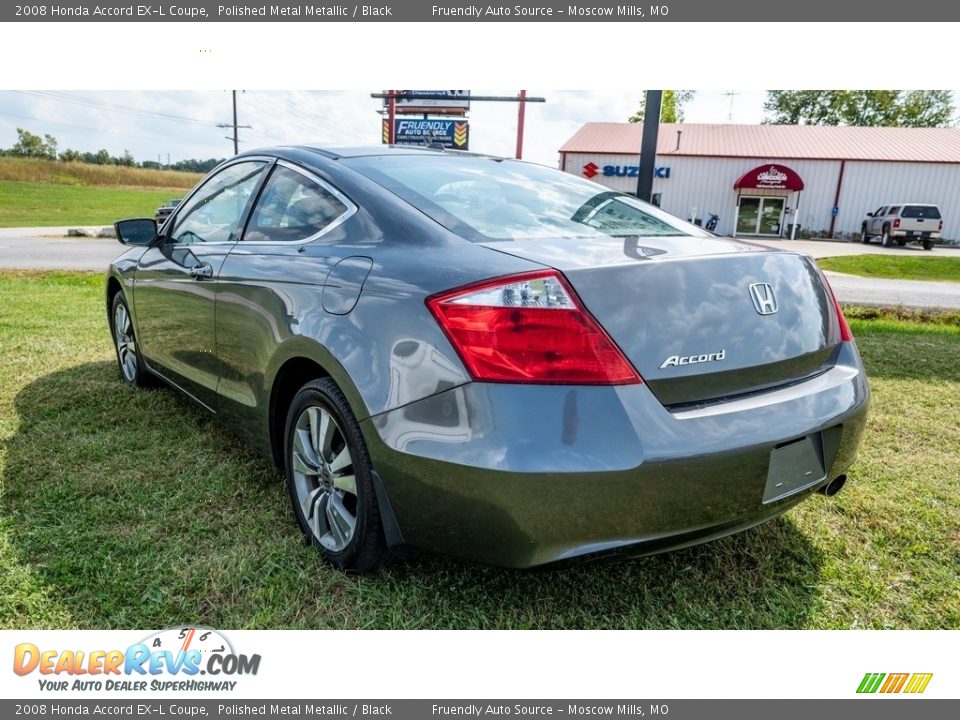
point(901, 222)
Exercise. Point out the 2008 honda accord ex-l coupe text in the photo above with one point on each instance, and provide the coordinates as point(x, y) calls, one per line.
point(489, 358)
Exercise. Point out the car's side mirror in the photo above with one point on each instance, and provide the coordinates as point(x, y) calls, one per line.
point(870, 214)
point(139, 231)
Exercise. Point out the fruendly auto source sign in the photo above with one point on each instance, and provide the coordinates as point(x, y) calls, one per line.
point(454, 134)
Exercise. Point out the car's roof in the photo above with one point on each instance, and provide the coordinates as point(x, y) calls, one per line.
point(912, 203)
point(336, 152)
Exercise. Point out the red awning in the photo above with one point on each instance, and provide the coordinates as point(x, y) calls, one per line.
point(769, 177)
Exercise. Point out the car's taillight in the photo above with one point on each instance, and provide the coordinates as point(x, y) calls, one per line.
point(529, 328)
point(845, 334)
point(940, 226)
point(896, 223)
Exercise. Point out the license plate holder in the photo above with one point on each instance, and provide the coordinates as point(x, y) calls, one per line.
point(794, 467)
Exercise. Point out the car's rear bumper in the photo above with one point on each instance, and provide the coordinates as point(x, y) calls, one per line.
point(919, 234)
point(523, 475)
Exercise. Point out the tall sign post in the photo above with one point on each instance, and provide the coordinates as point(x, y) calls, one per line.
point(648, 146)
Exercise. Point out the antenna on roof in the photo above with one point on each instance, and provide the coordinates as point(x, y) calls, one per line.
point(731, 94)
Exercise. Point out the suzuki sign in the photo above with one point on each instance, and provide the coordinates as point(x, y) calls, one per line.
point(591, 169)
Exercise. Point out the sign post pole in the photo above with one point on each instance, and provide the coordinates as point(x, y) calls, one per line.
point(521, 111)
point(391, 115)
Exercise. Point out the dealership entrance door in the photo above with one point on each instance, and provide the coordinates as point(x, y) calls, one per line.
point(760, 216)
point(760, 212)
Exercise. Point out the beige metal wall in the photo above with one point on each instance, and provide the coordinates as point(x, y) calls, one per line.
point(706, 183)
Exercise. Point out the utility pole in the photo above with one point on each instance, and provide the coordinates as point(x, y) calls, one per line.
point(235, 138)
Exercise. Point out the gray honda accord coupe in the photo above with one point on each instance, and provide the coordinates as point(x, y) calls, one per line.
point(489, 358)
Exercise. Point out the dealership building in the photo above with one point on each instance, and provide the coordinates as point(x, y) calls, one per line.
point(762, 179)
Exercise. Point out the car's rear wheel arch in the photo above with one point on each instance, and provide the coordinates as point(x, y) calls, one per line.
point(292, 375)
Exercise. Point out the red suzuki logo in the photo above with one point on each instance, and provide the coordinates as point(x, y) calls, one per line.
point(590, 170)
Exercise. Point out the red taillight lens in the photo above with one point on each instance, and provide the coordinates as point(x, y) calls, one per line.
point(896, 223)
point(845, 334)
point(529, 328)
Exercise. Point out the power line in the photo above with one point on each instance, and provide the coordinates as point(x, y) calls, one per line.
point(289, 114)
point(112, 107)
point(81, 128)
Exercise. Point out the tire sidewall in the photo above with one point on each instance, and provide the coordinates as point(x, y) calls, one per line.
point(325, 394)
point(120, 299)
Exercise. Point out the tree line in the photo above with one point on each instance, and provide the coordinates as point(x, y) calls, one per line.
point(865, 108)
point(46, 148)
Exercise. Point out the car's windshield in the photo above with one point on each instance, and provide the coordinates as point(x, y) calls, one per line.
point(485, 198)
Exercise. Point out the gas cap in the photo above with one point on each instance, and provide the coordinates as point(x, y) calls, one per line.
point(344, 283)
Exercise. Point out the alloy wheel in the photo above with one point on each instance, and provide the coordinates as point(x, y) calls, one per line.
point(324, 478)
point(126, 344)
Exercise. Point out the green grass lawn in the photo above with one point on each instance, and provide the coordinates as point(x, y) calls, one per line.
point(897, 267)
point(43, 205)
point(125, 508)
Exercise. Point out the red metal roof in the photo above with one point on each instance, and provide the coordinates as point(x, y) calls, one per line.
point(812, 142)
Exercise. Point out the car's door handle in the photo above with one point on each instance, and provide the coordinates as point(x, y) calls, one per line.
point(203, 270)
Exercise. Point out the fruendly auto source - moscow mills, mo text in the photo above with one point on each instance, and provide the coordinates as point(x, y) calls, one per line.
point(547, 11)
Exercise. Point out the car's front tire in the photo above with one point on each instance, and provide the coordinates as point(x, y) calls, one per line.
point(329, 479)
point(864, 237)
point(129, 360)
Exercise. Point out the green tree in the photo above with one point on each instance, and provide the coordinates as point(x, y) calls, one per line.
point(101, 157)
point(30, 145)
point(874, 108)
point(671, 106)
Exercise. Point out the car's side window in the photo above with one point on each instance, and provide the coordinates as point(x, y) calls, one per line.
point(880, 211)
point(214, 213)
point(292, 207)
point(893, 210)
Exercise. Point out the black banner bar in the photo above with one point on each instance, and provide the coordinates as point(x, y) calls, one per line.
point(464, 11)
point(873, 708)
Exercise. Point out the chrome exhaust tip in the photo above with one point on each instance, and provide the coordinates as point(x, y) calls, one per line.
point(834, 486)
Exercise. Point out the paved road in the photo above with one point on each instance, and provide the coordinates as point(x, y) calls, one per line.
point(876, 291)
point(832, 248)
point(47, 248)
point(909, 293)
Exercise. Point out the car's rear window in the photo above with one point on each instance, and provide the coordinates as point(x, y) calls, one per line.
point(930, 212)
point(484, 198)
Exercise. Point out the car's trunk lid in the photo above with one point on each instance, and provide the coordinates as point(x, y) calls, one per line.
point(700, 319)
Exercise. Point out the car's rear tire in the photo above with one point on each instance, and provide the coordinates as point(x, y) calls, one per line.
point(328, 473)
point(864, 237)
point(885, 238)
point(901, 242)
point(928, 244)
point(129, 360)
